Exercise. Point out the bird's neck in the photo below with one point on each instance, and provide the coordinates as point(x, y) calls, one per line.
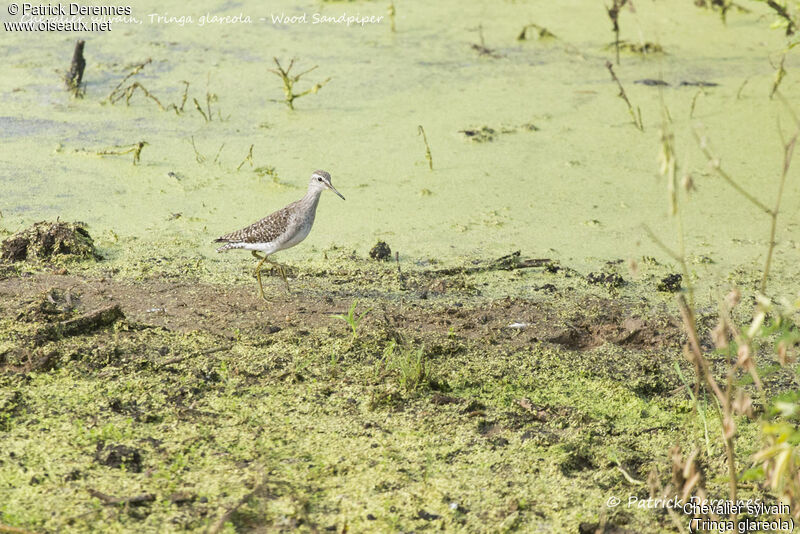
point(312, 197)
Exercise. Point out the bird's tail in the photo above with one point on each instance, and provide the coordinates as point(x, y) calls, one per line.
point(227, 246)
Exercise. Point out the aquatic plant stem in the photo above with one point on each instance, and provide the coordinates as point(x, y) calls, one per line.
point(428, 155)
point(715, 164)
point(74, 76)
point(780, 73)
point(725, 398)
point(788, 152)
point(613, 14)
point(133, 72)
point(248, 158)
point(120, 150)
point(200, 110)
point(781, 12)
point(635, 115)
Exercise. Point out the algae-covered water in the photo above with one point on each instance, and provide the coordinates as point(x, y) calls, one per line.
point(565, 173)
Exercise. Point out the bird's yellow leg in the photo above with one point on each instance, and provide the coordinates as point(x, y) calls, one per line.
point(282, 272)
point(283, 275)
point(258, 272)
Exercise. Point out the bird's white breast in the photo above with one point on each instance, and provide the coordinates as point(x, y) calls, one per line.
point(302, 232)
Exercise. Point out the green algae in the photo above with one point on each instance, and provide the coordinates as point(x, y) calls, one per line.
point(295, 435)
point(455, 412)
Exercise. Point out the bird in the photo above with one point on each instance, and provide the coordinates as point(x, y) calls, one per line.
point(280, 230)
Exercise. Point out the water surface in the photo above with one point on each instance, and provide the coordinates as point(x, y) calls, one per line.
point(578, 187)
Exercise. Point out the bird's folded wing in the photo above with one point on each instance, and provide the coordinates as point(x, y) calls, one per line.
point(264, 231)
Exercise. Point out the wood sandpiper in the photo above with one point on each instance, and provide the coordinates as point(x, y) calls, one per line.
point(281, 230)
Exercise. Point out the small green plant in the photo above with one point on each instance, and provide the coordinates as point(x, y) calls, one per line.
point(352, 318)
point(384, 363)
point(539, 31)
point(300, 364)
point(118, 150)
point(481, 48)
point(333, 362)
point(428, 155)
point(392, 13)
point(224, 370)
point(127, 91)
point(701, 409)
point(413, 372)
point(248, 158)
point(266, 170)
point(780, 72)
point(289, 80)
point(779, 460)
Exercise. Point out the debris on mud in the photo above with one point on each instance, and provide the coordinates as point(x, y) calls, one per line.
point(485, 51)
point(654, 82)
point(47, 307)
point(80, 325)
point(182, 497)
point(133, 501)
point(670, 283)
point(480, 135)
point(605, 279)
point(380, 251)
point(698, 84)
point(117, 456)
point(52, 305)
point(509, 262)
point(45, 240)
point(651, 82)
point(512, 261)
point(547, 288)
point(636, 48)
point(11, 404)
point(427, 516)
point(483, 134)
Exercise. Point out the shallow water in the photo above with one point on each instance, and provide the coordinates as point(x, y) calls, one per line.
point(579, 188)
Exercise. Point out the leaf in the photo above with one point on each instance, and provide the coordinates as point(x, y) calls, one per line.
point(752, 474)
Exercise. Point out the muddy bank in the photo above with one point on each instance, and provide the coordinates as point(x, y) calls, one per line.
point(165, 400)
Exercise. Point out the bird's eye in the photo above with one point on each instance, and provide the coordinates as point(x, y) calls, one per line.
point(319, 179)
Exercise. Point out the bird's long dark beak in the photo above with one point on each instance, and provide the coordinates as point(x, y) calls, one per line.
point(335, 191)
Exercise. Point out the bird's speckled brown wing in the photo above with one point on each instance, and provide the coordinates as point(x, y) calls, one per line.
point(266, 230)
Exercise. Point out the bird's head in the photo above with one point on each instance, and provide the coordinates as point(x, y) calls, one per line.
point(321, 180)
